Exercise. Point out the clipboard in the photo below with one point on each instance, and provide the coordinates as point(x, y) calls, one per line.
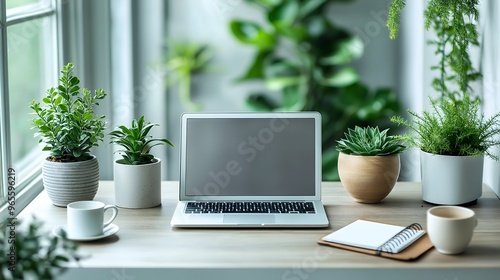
point(412, 252)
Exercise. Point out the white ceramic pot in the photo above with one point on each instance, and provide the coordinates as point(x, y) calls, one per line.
point(451, 180)
point(137, 186)
point(66, 182)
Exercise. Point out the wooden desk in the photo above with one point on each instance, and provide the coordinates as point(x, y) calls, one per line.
point(146, 245)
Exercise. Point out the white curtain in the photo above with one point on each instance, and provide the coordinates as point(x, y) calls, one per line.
point(414, 82)
point(137, 32)
point(490, 63)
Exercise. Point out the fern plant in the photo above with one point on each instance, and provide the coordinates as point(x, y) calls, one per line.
point(66, 122)
point(136, 142)
point(369, 141)
point(455, 25)
point(454, 128)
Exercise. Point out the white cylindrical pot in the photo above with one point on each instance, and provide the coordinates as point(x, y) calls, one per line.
point(67, 182)
point(451, 180)
point(137, 186)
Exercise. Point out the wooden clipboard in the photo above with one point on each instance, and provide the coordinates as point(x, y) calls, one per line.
point(412, 252)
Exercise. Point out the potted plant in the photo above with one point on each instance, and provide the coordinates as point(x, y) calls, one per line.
point(69, 128)
point(369, 163)
point(137, 174)
point(453, 140)
point(454, 137)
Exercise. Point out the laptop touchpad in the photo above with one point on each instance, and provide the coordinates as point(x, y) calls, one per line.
point(249, 219)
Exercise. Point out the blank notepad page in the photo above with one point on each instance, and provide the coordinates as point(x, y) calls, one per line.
point(372, 235)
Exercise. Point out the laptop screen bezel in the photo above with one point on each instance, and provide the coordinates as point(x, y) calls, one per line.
point(270, 115)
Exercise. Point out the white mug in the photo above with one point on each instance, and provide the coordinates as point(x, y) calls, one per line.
point(86, 218)
point(450, 228)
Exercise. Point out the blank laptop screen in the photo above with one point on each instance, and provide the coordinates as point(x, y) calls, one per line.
point(250, 157)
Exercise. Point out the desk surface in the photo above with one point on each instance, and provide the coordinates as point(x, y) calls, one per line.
point(146, 240)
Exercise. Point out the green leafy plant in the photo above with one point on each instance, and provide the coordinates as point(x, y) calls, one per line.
point(136, 142)
point(369, 141)
point(455, 26)
point(183, 60)
point(454, 128)
point(305, 59)
point(28, 252)
point(66, 122)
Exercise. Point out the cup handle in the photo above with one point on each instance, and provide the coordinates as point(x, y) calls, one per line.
point(115, 212)
point(475, 226)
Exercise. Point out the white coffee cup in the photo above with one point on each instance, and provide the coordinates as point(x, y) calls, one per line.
point(86, 218)
point(450, 228)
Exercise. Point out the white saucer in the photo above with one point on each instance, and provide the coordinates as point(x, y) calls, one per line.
point(108, 231)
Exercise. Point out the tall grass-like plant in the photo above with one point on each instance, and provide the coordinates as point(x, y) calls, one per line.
point(136, 142)
point(454, 128)
point(66, 121)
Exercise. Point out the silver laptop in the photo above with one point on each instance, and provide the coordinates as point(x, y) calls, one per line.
point(250, 170)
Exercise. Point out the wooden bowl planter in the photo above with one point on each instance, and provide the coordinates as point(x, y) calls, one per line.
point(368, 179)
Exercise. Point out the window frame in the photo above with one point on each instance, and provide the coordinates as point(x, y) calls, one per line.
point(29, 185)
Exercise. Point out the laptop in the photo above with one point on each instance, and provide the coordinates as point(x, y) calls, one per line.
point(250, 169)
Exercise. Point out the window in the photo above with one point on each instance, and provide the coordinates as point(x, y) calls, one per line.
point(28, 64)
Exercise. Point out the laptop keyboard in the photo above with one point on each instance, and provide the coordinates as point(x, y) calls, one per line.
point(290, 207)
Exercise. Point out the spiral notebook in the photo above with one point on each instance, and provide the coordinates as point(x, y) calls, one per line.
point(380, 239)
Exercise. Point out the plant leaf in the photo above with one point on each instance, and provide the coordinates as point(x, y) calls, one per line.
point(344, 77)
point(256, 70)
point(286, 12)
point(346, 51)
point(310, 6)
point(260, 102)
point(251, 33)
point(279, 83)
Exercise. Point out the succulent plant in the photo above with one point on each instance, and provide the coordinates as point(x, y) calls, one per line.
point(136, 142)
point(369, 141)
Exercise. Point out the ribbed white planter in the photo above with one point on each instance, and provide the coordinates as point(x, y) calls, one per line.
point(451, 180)
point(66, 182)
point(137, 186)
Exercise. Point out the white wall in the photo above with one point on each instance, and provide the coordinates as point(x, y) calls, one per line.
point(128, 70)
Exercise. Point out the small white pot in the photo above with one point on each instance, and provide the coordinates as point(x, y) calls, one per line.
point(137, 186)
point(451, 180)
